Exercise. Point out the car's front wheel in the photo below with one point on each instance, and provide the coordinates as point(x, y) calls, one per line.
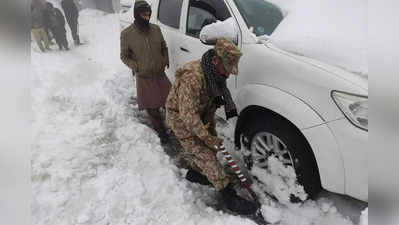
point(274, 145)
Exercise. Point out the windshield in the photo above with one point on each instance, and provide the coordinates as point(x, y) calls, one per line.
point(261, 17)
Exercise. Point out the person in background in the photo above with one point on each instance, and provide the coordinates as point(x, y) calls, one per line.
point(116, 6)
point(199, 89)
point(56, 24)
point(71, 12)
point(144, 50)
point(37, 25)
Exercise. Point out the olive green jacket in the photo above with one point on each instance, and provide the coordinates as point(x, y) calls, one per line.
point(144, 50)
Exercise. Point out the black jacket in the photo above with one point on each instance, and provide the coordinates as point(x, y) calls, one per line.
point(60, 17)
point(70, 9)
point(54, 18)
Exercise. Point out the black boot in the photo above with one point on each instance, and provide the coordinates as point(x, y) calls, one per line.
point(237, 204)
point(163, 136)
point(77, 41)
point(196, 177)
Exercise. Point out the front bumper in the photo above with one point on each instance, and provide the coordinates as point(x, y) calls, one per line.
point(352, 143)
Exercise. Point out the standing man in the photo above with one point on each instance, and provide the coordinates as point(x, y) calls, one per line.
point(56, 24)
point(38, 31)
point(71, 12)
point(199, 89)
point(144, 50)
point(47, 24)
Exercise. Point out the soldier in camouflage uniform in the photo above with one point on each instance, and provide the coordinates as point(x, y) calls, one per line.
point(199, 89)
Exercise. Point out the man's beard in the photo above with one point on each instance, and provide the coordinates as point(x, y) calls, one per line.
point(143, 22)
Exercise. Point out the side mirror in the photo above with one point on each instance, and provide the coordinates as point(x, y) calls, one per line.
point(211, 33)
point(206, 40)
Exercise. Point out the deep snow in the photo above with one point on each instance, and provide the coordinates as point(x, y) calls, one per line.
point(95, 162)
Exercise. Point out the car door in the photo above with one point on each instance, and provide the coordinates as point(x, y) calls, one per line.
point(169, 19)
point(197, 14)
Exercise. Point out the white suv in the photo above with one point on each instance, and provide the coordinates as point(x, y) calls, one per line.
point(311, 114)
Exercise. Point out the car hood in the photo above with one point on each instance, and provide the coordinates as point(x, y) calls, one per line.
point(326, 31)
point(355, 78)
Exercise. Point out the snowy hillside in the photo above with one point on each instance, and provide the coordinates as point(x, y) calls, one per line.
point(94, 161)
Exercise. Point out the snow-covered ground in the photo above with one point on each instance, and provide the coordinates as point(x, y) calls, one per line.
point(95, 161)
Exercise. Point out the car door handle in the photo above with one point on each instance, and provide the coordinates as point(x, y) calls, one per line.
point(184, 49)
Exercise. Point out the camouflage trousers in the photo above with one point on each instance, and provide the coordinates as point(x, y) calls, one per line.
point(204, 160)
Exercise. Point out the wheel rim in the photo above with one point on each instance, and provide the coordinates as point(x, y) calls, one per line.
point(264, 145)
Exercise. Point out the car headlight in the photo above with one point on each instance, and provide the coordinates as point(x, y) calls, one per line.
point(354, 107)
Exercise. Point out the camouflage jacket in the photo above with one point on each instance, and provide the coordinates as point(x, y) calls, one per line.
point(189, 106)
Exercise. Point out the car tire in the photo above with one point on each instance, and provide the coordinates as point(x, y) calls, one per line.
point(300, 152)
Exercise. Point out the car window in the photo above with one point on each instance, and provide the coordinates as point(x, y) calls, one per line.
point(204, 12)
point(261, 16)
point(169, 12)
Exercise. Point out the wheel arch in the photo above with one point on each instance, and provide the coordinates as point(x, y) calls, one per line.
point(256, 99)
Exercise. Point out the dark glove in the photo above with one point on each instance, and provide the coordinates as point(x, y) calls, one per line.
point(214, 143)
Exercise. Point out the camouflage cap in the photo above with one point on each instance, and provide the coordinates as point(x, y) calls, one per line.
point(229, 53)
